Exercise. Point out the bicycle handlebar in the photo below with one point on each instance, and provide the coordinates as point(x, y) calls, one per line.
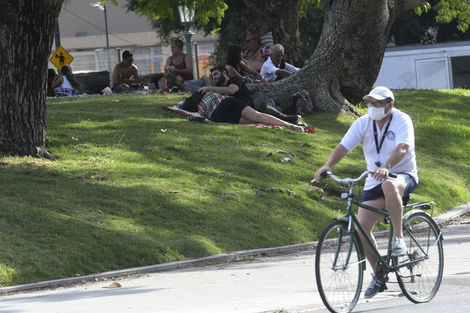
point(350, 180)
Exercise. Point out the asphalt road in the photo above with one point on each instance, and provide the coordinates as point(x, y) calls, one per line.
point(283, 283)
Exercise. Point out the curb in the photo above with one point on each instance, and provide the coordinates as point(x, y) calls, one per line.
point(453, 213)
point(210, 260)
point(215, 259)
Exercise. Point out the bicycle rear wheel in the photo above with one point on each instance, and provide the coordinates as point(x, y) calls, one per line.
point(421, 280)
point(339, 268)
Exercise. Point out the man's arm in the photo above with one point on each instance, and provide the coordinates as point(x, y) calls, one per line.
point(283, 73)
point(206, 80)
point(224, 90)
point(287, 71)
point(247, 69)
point(136, 80)
point(397, 155)
point(291, 68)
point(128, 81)
point(335, 157)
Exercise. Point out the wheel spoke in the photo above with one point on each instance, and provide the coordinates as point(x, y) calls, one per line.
point(421, 279)
point(338, 268)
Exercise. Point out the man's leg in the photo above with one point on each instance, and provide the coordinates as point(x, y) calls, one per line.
point(260, 102)
point(125, 87)
point(368, 219)
point(393, 191)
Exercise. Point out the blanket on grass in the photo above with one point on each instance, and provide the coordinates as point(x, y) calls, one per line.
point(195, 116)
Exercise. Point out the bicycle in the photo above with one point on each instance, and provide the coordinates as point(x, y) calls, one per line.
point(340, 260)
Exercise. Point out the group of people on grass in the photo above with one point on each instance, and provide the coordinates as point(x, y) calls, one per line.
point(258, 63)
point(229, 81)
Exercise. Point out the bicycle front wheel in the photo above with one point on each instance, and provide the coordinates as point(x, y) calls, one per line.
point(339, 267)
point(421, 279)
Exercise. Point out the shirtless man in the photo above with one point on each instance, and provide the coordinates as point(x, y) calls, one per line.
point(126, 75)
point(255, 54)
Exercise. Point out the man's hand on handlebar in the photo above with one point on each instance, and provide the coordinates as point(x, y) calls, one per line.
point(382, 173)
point(321, 173)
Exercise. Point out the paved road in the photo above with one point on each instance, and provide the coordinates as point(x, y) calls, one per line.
point(283, 283)
point(455, 301)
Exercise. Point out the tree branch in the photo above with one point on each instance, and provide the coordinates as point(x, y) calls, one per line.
point(411, 4)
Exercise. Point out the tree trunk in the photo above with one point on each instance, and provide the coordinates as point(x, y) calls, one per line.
point(281, 17)
point(348, 57)
point(27, 29)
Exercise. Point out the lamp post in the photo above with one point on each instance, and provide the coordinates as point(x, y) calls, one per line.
point(102, 7)
point(186, 16)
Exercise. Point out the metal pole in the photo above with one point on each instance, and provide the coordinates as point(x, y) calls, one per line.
point(196, 60)
point(188, 34)
point(107, 38)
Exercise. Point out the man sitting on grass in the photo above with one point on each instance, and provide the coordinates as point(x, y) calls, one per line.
point(126, 75)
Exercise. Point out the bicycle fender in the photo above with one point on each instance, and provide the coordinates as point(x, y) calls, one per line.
point(409, 213)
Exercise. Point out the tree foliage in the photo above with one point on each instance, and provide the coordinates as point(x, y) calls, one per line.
point(210, 13)
point(448, 11)
point(438, 24)
point(410, 28)
point(164, 16)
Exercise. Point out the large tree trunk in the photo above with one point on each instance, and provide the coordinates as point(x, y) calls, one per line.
point(281, 17)
point(26, 33)
point(348, 57)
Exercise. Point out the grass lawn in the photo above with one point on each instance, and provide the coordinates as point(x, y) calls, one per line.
point(138, 185)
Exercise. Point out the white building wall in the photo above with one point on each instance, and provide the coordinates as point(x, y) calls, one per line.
point(420, 66)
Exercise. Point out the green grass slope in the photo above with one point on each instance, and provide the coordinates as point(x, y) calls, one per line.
point(138, 185)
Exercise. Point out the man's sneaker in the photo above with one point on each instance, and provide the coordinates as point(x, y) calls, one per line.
point(376, 286)
point(398, 246)
point(293, 119)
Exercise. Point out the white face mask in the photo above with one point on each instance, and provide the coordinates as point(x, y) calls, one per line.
point(378, 114)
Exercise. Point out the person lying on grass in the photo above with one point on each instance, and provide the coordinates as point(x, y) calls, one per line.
point(225, 109)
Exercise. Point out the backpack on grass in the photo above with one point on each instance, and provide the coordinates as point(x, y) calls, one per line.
point(302, 103)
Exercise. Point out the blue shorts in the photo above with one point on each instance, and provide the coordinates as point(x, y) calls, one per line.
point(117, 88)
point(377, 191)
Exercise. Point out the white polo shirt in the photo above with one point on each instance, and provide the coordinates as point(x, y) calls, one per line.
point(268, 70)
point(400, 131)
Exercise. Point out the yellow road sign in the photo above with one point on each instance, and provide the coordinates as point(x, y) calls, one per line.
point(61, 57)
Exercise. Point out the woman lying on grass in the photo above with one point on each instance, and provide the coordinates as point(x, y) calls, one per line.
point(223, 109)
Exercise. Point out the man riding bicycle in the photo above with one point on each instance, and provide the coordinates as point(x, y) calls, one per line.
point(387, 136)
